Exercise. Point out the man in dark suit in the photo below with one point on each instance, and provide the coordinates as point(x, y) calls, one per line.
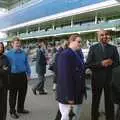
point(102, 58)
point(40, 69)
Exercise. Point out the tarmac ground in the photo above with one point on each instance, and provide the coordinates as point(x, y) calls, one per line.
point(44, 107)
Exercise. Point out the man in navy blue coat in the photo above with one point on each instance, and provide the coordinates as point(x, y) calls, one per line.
point(70, 79)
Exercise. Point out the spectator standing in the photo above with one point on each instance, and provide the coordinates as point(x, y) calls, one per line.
point(102, 58)
point(20, 73)
point(53, 67)
point(40, 69)
point(70, 80)
point(4, 77)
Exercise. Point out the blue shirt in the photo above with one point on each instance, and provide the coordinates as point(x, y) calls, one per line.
point(19, 61)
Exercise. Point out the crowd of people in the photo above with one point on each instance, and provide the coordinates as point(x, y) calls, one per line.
point(69, 69)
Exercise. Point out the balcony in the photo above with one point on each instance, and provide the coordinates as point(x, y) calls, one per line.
point(75, 29)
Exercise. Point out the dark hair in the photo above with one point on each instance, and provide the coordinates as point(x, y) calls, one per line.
point(2, 47)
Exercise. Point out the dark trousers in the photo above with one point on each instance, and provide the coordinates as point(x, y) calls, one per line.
point(3, 103)
point(109, 106)
point(58, 115)
point(40, 85)
point(117, 117)
point(17, 94)
point(54, 79)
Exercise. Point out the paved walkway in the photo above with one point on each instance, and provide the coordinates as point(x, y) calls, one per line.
point(44, 107)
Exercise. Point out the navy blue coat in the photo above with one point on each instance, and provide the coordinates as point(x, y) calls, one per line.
point(70, 77)
point(4, 74)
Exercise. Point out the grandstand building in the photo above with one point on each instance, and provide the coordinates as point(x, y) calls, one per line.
point(10, 4)
point(56, 19)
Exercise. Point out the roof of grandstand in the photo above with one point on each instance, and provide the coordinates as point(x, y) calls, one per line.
point(9, 4)
point(40, 9)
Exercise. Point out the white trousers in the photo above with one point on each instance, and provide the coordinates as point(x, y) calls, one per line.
point(65, 108)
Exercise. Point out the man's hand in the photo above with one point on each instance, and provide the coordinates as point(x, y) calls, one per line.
point(28, 78)
point(110, 62)
point(5, 67)
point(107, 62)
point(71, 102)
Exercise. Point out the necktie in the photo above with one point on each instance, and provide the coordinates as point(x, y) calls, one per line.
point(105, 51)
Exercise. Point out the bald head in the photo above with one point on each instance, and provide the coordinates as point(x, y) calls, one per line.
point(103, 36)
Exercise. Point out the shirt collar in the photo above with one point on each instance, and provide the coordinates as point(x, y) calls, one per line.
point(17, 51)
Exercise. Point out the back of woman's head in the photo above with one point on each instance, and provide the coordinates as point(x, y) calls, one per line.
point(65, 44)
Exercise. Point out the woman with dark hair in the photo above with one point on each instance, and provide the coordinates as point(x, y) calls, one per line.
point(4, 71)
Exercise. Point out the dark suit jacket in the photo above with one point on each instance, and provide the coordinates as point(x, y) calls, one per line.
point(4, 74)
point(70, 81)
point(116, 84)
point(40, 62)
point(100, 74)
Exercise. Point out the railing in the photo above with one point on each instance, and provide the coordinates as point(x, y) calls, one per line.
point(67, 30)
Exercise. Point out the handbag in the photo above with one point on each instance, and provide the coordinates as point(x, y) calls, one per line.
point(71, 113)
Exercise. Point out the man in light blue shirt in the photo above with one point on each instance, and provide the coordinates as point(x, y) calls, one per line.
point(20, 73)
